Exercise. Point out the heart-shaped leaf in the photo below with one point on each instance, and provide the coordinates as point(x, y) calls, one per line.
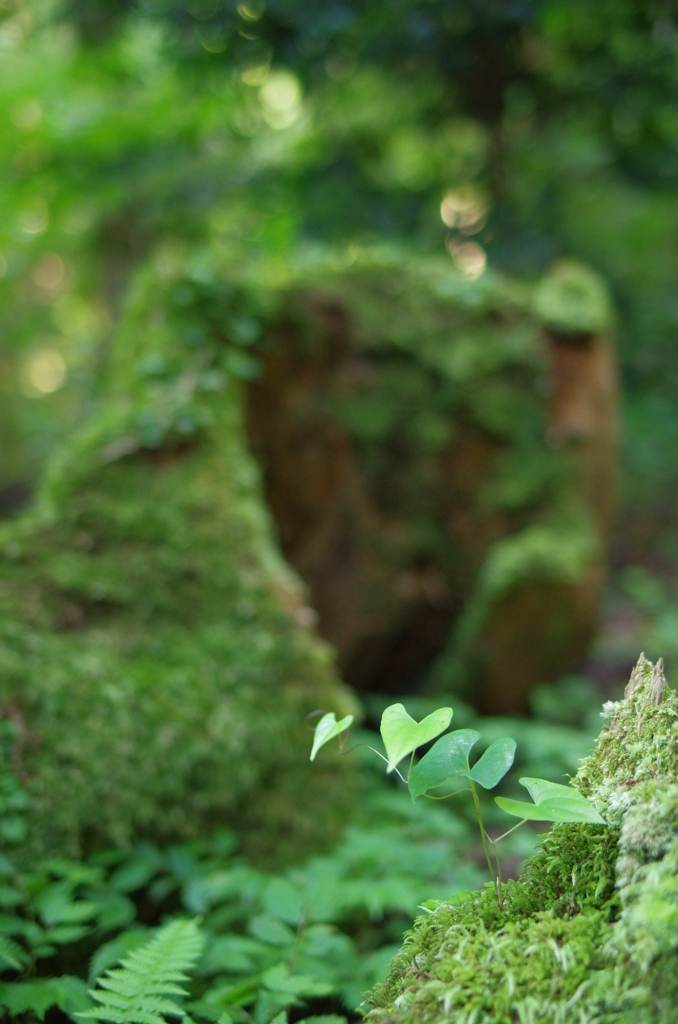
point(327, 728)
point(552, 802)
point(446, 758)
point(494, 764)
point(449, 758)
point(401, 734)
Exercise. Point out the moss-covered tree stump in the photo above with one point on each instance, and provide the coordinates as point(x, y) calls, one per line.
point(439, 455)
point(440, 458)
point(156, 660)
point(590, 931)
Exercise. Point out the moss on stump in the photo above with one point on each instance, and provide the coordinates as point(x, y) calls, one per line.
point(590, 931)
point(156, 660)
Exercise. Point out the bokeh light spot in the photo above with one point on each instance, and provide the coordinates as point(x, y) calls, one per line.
point(464, 208)
point(49, 273)
point(469, 257)
point(45, 372)
point(281, 99)
point(251, 11)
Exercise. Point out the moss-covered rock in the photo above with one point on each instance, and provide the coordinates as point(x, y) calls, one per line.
point(589, 932)
point(156, 661)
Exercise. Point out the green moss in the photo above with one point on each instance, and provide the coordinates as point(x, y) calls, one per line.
point(152, 646)
point(556, 552)
point(589, 931)
point(572, 299)
point(483, 973)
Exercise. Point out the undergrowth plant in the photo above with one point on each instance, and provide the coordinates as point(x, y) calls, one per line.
point(148, 984)
point(446, 763)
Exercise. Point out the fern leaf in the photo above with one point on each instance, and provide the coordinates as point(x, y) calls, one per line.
point(137, 992)
point(11, 955)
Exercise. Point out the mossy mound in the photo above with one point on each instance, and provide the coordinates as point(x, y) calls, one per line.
point(589, 933)
point(156, 661)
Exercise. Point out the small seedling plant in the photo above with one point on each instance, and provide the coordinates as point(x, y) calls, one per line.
point(447, 763)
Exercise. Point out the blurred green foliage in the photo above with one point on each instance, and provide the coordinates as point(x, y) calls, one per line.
point(550, 125)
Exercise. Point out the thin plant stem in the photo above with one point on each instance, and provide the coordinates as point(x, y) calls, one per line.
point(505, 834)
point(402, 777)
point(483, 836)
point(498, 882)
point(493, 843)
point(313, 714)
point(447, 795)
point(409, 770)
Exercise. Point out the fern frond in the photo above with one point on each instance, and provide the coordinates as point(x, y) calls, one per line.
point(137, 992)
point(11, 954)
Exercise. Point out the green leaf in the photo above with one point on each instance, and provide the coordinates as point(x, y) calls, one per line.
point(56, 904)
point(11, 954)
point(402, 735)
point(283, 899)
point(552, 802)
point(542, 789)
point(242, 994)
point(231, 954)
point(445, 760)
point(495, 762)
point(448, 758)
point(145, 988)
point(327, 728)
point(37, 996)
point(271, 930)
point(64, 934)
point(279, 980)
